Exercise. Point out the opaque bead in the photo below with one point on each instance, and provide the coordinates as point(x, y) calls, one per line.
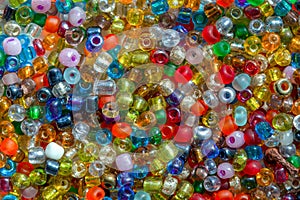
point(52, 24)
point(8, 147)
point(12, 46)
point(41, 6)
point(77, 16)
point(95, 193)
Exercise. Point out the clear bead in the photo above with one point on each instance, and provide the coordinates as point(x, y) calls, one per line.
point(16, 112)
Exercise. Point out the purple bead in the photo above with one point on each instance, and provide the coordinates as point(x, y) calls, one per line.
point(235, 139)
point(124, 162)
point(69, 57)
point(77, 16)
point(225, 170)
point(12, 46)
point(40, 6)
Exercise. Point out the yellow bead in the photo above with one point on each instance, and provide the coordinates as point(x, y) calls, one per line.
point(271, 41)
point(294, 46)
point(153, 73)
point(153, 184)
point(253, 103)
point(21, 181)
point(40, 65)
point(26, 72)
point(79, 169)
point(282, 57)
point(265, 177)
point(125, 59)
point(175, 3)
point(157, 103)
point(2, 159)
point(185, 190)
point(262, 93)
point(252, 45)
point(50, 193)
point(210, 119)
point(62, 184)
point(135, 17)
point(139, 57)
point(117, 26)
point(192, 4)
point(266, 9)
point(273, 74)
point(92, 181)
point(50, 41)
point(5, 103)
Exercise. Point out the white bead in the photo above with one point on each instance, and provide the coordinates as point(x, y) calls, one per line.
point(54, 151)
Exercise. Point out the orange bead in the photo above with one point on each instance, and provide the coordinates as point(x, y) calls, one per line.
point(105, 99)
point(40, 80)
point(125, 1)
point(25, 72)
point(9, 147)
point(227, 125)
point(199, 108)
point(271, 114)
point(296, 107)
point(95, 193)
point(242, 196)
point(110, 42)
point(224, 195)
point(7, 129)
point(5, 103)
point(52, 24)
point(121, 130)
point(50, 41)
point(47, 133)
point(40, 65)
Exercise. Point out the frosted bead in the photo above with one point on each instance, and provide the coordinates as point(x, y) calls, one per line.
point(12, 46)
point(194, 55)
point(124, 162)
point(170, 38)
point(40, 6)
point(102, 62)
point(80, 130)
point(235, 139)
point(225, 170)
point(77, 16)
point(286, 137)
point(69, 57)
point(29, 192)
point(10, 79)
point(54, 151)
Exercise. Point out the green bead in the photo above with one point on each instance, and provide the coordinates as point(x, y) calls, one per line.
point(185, 190)
point(167, 151)
point(255, 2)
point(17, 126)
point(24, 15)
point(294, 160)
point(155, 135)
point(198, 187)
point(170, 69)
point(249, 182)
point(14, 3)
point(126, 85)
point(40, 19)
point(221, 48)
point(65, 167)
point(161, 116)
point(282, 122)
point(35, 112)
point(2, 58)
point(38, 176)
point(131, 116)
point(241, 31)
point(122, 145)
point(139, 104)
point(153, 184)
point(239, 160)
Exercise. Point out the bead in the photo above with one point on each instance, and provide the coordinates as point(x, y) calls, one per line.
point(124, 162)
point(36, 155)
point(9, 169)
point(54, 151)
point(221, 48)
point(76, 16)
point(254, 152)
point(69, 57)
point(224, 25)
point(12, 46)
point(264, 130)
point(8, 147)
point(159, 7)
point(212, 183)
point(95, 193)
point(51, 167)
point(225, 170)
point(170, 38)
point(52, 24)
point(71, 75)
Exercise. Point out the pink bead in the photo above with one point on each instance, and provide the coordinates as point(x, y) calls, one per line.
point(194, 55)
point(124, 162)
point(184, 135)
point(12, 46)
point(225, 170)
point(69, 57)
point(41, 6)
point(10, 79)
point(77, 16)
point(289, 71)
point(29, 192)
point(235, 139)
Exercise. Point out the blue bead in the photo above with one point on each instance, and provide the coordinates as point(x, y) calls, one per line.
point(52, 167)
point(295, 60)
point(64, 122)
point(184, 15)
point(226, 154)
point(10, 170)
point(14, 92)
point(139, 137)
point(115, 70)
point(74, 103)
point(2, 70)
point(10, 197)
point(24, 39)
point(2, 38)
point(114, 52)
point(180, 29)
point(199, 19)
point(44, 94)
point(72, 75)
point(159, 7)
point(9, 14)
point(282, 8)
point(103, 137)
point(12, 64)
point(140, 171)
point(64, 6)
point(54, 76)
point(125, 179)
point(27, 54)
point(254, 152)
point(210, 149)
point(125, 193)
point(53, 109)
point(175, 166)
point(94, 43)
point(107, 198)
point(240, 115)
point(264, 130)
point(175, 98)
point(241, 82)
point(93, 30)
point(142, 195)
point(82, 89)
point(91, 104)
point(241, 3)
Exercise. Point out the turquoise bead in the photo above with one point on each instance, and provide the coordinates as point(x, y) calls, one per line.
point(240, 116)
point(72, 75)
point(282, 8)
point(142, 195)
point(9, 170)
point(241, 82)
point(159, 7)
point(254, 152)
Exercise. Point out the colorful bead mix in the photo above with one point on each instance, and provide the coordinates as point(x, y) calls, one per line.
point(149, 99)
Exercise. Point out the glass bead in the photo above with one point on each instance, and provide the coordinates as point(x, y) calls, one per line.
point(212, 183)
point(248, 182)
point(254, 152)
point(170, 38)
point(210, 149)
point(159, 7)
point(221, 48)
point(224, 25)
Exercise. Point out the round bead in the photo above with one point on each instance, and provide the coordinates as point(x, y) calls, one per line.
point(77, 16)
point(12, 46)
point(235, 139)
point(41, 6)
point(225, 170)
point(69, 57)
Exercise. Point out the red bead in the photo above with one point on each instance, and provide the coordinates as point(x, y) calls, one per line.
point(242, 196)
point(211, 35)
point(5, 185)
point(251, 67)
point(271, 114)
point(251, 138)
point(281, 174)
point(226, 74)
point(199, 108)
point(197, 196)
point(244, 95)
point(256, 117)
point(183, 74)
point(9, 147)
point(38, 47)
point(184, 135)
point(252, 12)
point(63, 27)
point(252, 167)
point(110, 42)
point(25, 168)
point(168, 131)
point(224, 3)
point(159, 56)
point(173, 115)
point(224, 195)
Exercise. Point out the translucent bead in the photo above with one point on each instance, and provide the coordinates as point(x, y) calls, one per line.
point(257, 27)
point(29, 127)
point(71, 76)
point(102, 62)
point(254, 152)
point(170, 38)
point(241, 82)
point(104, 87)
point(274, 24)
point(265, 177)
point(135, 16)
point(224, 25)
point(210, 166)
point(212, 183)
point(286, 137)
point(106, 6)
point(36, 155)
point(152, 184)
point(79, 169)
point(107, 155)
point(210, 99)
point(16, 113)
point(210, 149)
point(282, 8)
point(142, 195)
point(264, 130)
point(287, 150)
point(185, 190)
point(282, 122)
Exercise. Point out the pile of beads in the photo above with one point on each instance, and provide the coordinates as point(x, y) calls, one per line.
point(149, 99)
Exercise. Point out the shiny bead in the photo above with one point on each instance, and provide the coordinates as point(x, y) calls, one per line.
point(170, 38)
point(225, 170)
point(282, 122)
point(36, 155)
point(159, 7)
point(265, 177)
point(95, 193)
point(135, 17)
point(124, 162)
point(69, 57)
point(221, 48)
point(264, 130)
point(94, 43)
point(51, 167)
point(40, 6)
point(212, 183)
point(224, 25)
point(254, 152)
